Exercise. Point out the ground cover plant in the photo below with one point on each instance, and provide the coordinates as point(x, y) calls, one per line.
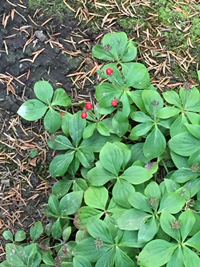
point(109, 208)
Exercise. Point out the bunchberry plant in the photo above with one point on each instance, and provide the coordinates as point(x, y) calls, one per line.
point(128, 189)
point(46, 104)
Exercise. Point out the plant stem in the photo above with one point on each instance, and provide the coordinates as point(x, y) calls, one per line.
point(165, 166)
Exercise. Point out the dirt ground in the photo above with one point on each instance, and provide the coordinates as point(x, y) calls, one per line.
point(34, 46)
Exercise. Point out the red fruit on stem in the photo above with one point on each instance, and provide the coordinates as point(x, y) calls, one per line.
point(109, 71)
point(84, 115)
point(114, 102)
point(88, 105)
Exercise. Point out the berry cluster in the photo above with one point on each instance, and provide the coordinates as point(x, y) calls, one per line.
point(88, 106)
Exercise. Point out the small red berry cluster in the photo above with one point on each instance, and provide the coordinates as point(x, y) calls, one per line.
point(109, 71)
point(88, 106)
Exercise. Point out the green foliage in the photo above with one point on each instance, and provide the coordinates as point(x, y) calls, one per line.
point(111, 207)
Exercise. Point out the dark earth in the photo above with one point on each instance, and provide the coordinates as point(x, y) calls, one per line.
point(24, 181)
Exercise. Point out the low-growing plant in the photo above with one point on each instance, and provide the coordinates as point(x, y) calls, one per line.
point(129, 167)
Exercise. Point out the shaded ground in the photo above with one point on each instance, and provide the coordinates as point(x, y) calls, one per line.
point(34, 46)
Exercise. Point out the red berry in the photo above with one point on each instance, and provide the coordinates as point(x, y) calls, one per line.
point(88, 105)
point(109, 71)
point(114, 102)
point(84, 115)
point(64, 250)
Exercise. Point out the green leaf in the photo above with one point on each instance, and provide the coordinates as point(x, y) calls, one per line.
point(98, 176)
point(184, 144)
point(88, 250)
point(76, 128)
point(8, 235)
point(176, 259)
point(79, 185)
point(183, 175)
point(153, 102)
point(36, 231)
point(107, 259)
point(81, 262)
point(139, 201)
point(172, 203)
point(152, 190)
point(85, 156)
point(84, 215)
point(61, 98)
point(111, 158)
point(61, 188)
point(122, 259)
point(132, 219)
point(125, 105)
point(54, 204)
point(120, 123)
point(166, 222)
point(20, 236)
point(190, 258)
point(43, 91)
point(187, 220)
point(128, 239)
point(32, 110)
point(178, 126)
point(106, 92)
point(33, 153)
point(60, 164)
point(89, 130)
point(136, 175)
point(130, 53)
point(117, 44)
point(137, 153)
point(194, 241)
point(172, 98)
point(56, 230)
point(147, 231)
point(136, 75)
point(61, 142)
point(126, 153)
point(156, 253)
point(47, 258)
point(198, 72)
point(154, 144)
point(115, 77)
point(96, 197)
point(136, 97)
point(167, 112)
point(194, 130)
point(190, 98)
point(14, 255)
point(141, 129)
point(99, 52)
point(99, 229)
point(179, 161)
point(120, 192)
point(5, 264)
point(65, 123)
point(97, 141)
point(102, 129)
point(140, 116)
point(31, 255)
point(70, 203)
point(52, 120)
point(194, 118)
point(194, 158)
